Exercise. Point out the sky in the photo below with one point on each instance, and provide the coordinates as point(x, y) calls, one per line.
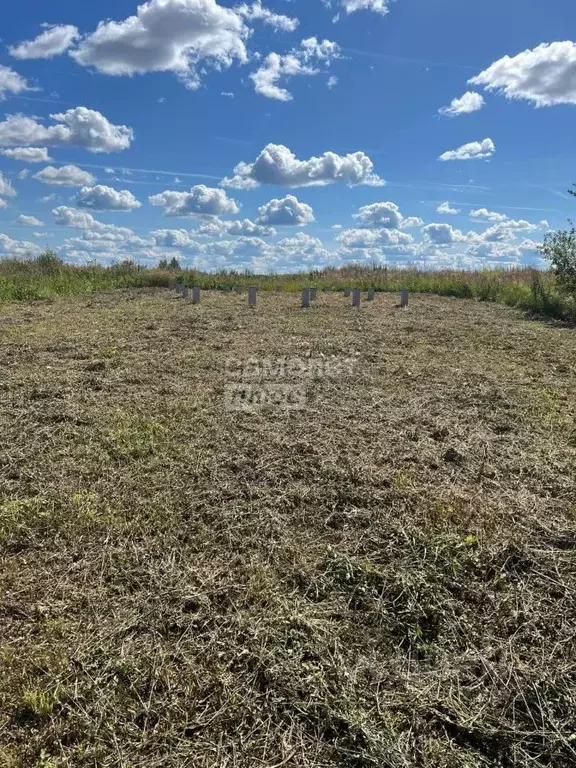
point(276, 135)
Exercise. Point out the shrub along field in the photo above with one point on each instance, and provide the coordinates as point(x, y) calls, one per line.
point(384, 578)
point(527, 289)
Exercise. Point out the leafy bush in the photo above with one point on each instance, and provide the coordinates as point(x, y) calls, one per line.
point(560, 249)
point(49, 261)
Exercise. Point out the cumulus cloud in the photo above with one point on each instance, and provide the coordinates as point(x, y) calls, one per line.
point(373, 238)
point(256, 12)
point(56, 39)
point(380, 215)
point(476, 150)
point(442, 234)
point(286, 212)
point(18, 248)
point(200, 201)
point(6, 188)
point(276, 164)
point(447, 209)
point(12, 83)
point(469, 102)
point(484, 213)
point(3, 204)
point(65, 176)
point(28, 154)
point(171, 238)
point(93, 230)
point(79, 127)
point(242, 228)
point(102, 198)
point(167, 36)
point(299, 61)
point(377, 6)
point(29, 221)
point(545, 75)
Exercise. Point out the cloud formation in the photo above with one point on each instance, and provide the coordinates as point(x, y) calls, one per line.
point(276, 164)
point(476, 150)
point(29, 221)
point(179, 36)
point(56, 39)
point(6, 188)
point(299, 61)
point(377, 6)
point(545, 75)
point(256, 12)
point(27, 154)
point(447, 209)
point(65, 176)
point(200, 201)
point(79, 127)
point(12, 83)
point(288, 211)
point(469, 102)
point(102, 198)
point(241, 228)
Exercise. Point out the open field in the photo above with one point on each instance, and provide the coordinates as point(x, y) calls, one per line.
point(532, 291)
point(384, 578)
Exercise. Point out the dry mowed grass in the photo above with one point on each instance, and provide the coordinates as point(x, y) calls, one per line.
point(385, 578)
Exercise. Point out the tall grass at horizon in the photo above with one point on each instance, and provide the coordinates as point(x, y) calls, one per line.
point(524, 288)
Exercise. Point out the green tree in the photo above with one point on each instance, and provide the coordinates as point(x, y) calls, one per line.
point(49, 261)
point(174, 264)
point(560, 250)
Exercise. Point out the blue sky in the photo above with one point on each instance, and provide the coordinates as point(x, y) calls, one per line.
point(276, 134)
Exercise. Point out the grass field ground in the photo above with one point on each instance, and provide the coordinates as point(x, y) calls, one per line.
point(383, 578)
point(527, 289)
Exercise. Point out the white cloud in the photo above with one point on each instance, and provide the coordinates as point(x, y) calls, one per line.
point(93, 229)
point(377, 6)
point(299, 61)
point(380, 215)
point(286, 212)
point(80, 127)
point(167, 36)
point(171, 238)
point(23, 174)
point(385, 215)
point(373, 238)
point(65, 176)
point(446, 209)
point(332, 82)
point(3, 204)
point(6, 188)
point(12, 83)
point(102, 198)
point(276, 164)
point(27, 154)
point(29, 221)
point(299, 243)
point(469, 102)
point(545, 75)
point(242, 228)
point(18, 248)
point(476, 150)
point(256, 12)
point(200, 201)
point(484, 213)
point(53, 41)
point(442, 234)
